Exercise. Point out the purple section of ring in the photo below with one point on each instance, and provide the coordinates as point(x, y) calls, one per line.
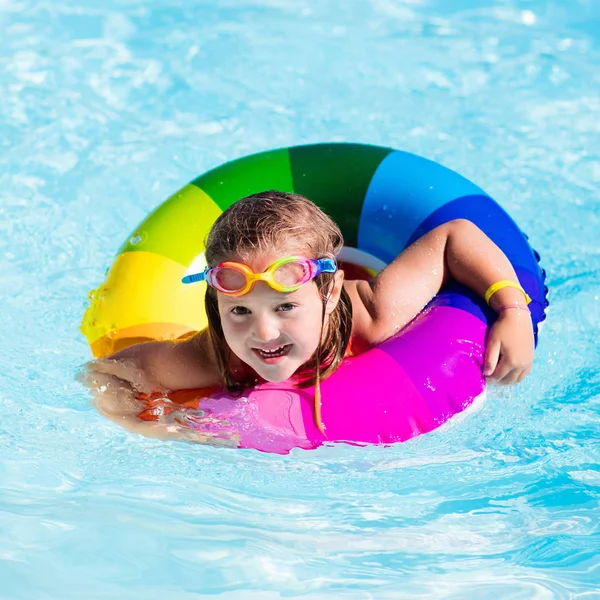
point(373, 400)
point(442, 350)
point(426, 374)
point(458, 296)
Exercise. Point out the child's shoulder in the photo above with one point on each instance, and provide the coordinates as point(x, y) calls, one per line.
point(176, 365)
point(360, 293)
point(193, 363)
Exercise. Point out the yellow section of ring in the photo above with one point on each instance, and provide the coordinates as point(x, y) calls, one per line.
point(142, 296)
point(144, 289)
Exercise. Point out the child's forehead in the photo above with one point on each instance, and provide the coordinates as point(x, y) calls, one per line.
point(259, 260)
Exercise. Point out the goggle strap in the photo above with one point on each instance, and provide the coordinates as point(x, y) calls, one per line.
point(195, 278)
point(326, 265)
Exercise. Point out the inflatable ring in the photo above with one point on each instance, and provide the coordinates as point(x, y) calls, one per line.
point(383, 200)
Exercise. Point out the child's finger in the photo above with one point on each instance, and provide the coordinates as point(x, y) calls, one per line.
point(524, 374)
point(502, 372)
point(492, 355)
point(510, 377)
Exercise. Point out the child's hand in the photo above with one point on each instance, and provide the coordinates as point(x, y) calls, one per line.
point(510, 346)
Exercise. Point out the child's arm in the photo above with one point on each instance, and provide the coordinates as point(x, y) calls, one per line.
point(165, 365)
point(459, 250)
point(117, 381)
point(116, 399)
point(148, 367)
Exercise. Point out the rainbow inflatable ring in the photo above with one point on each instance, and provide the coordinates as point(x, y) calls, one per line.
point(383, 200)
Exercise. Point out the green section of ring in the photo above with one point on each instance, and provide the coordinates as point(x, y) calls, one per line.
point(249, 175)
point(177, 228)
point(336, 178)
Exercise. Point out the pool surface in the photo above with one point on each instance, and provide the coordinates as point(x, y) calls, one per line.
point(106, 109)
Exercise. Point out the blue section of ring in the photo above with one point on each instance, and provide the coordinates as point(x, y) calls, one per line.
point(459, 296)
point(409, 196)
point(499, 227)
point(491, 219)
point(403, 192)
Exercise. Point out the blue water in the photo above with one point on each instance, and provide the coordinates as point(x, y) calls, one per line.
point(108, 107)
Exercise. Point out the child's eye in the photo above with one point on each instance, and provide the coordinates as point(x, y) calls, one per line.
point(286, 307)
point(240, 310)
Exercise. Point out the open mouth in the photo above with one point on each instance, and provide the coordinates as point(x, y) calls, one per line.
point(271, 356)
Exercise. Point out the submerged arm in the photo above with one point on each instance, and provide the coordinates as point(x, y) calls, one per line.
point(163, 365)
point(117, 381)
point(456, 250)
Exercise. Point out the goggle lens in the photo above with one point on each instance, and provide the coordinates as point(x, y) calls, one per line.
point(292, 273)
point(229, 280)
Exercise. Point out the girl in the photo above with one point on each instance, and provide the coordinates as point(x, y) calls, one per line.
point(278, 308)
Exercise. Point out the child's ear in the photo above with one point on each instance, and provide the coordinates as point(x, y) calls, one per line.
point(335, 291)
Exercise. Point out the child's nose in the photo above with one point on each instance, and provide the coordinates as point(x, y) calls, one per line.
point(265, 329)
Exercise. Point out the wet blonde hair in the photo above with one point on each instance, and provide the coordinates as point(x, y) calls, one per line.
point(264, 222)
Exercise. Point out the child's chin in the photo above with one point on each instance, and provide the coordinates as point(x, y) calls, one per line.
point(276, 379)
point(282, 375)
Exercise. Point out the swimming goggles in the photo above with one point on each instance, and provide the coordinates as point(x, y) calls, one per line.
point(284, 275)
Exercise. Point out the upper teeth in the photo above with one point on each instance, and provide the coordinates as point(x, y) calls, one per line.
point(274, 351)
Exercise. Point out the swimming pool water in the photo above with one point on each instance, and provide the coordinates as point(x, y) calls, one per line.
point(106, 108)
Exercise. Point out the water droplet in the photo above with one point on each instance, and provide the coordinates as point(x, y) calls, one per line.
point(135, 240)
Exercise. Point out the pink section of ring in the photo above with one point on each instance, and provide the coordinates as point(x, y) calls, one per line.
point(408, 385)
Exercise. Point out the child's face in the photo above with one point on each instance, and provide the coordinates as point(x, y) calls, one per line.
point(273, 332)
